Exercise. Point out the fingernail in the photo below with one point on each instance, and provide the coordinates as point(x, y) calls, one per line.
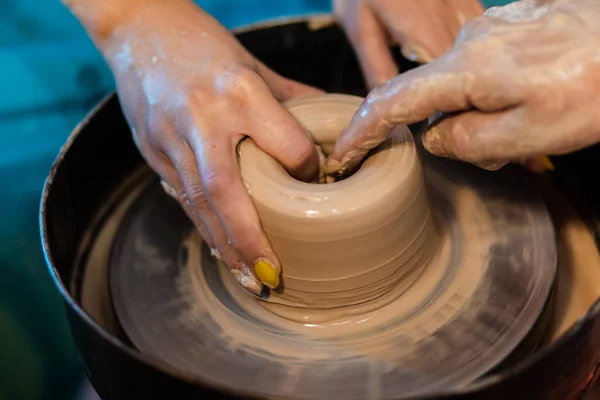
point(547, 163)
point(333, 167)
point(267, 274)
point(492, 165)
point(247, 280)
point(416, 54)
point(432, 141)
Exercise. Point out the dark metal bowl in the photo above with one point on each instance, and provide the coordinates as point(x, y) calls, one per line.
point(100, 155)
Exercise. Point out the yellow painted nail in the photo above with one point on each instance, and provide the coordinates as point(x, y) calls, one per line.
point(547, 163)
point(267, 274)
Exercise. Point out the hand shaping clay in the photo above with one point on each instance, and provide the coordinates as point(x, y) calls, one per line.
point(350, 245)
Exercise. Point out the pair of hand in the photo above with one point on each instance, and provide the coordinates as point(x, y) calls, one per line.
point(525, 74)
point(191, 92)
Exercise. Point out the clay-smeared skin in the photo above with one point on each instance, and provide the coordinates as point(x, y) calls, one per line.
point(351, 242)
point(526, 78)
point(425, 29)
point(191, 92)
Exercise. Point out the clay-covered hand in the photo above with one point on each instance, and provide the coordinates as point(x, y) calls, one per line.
point(425, 29)
point(524, 80)
point(191, 93)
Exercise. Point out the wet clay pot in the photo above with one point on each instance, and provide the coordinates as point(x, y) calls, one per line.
point(100, 155)
point(336, 240)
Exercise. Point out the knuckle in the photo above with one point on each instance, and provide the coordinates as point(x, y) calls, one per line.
point(213, 184)
point(377, 101)
point(194, 194)
point(244, 242)
point(236, 84)
point(197, 97)
point(461, 144)
point(162, 133)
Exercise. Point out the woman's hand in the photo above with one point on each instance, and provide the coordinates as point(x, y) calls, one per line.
point(425, 29)
point(524, 81)
point(191, 92)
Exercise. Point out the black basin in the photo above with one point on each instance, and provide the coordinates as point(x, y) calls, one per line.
point(100, 156)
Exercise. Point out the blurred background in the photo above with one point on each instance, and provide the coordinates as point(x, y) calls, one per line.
point(50, 77)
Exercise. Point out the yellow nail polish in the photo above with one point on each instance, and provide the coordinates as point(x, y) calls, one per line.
point(267, 274)
point(547, 163)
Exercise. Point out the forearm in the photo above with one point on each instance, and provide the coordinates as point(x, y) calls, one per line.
point(101, 18)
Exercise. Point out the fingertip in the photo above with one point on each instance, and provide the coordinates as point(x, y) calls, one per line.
point(333, 167)
point(491, 165)
point(306, 167)
point(279, 134)
point(351, 147)
point(416, 53)
point(268, 274)
point(433, 142)
point(247, 280)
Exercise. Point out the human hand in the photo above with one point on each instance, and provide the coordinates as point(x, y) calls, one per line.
point(191, 92)
point(524, 79)
point(425, 29)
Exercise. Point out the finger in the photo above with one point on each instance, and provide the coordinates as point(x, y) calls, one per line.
point(461, 11)
point(280, 135)
point(161, 164)
point(424, 36)
point(179, 196)
point(224, 190)
point(185, 164)
point(285, 89)
point(454, 82)
point(369, 39)
point(477, 137)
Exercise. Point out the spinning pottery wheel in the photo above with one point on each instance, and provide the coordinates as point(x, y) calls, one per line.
point(107, 224)
point(461, 310)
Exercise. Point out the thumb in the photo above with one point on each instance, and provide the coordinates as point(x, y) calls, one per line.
point(447, 84)
point(281, 136)
point(484, 139)
point(369, 39)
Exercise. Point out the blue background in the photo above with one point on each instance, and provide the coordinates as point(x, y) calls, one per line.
point(50, 76)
